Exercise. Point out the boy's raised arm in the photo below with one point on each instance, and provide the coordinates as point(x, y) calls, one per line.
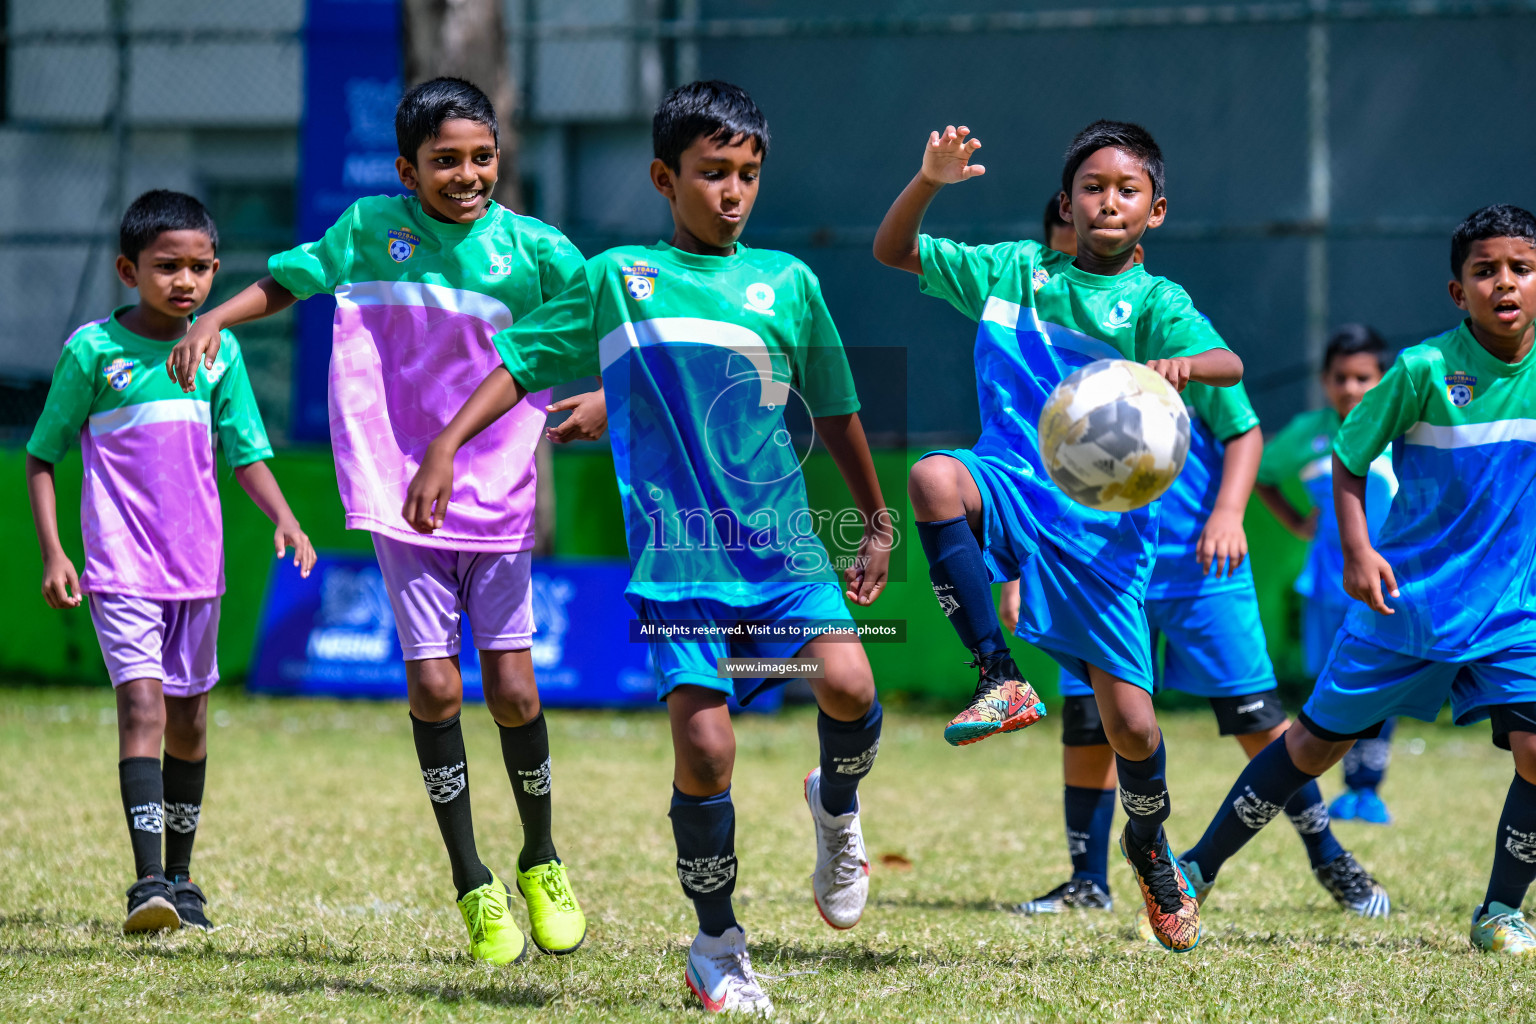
point(844, 437)
point(426, 500)
point(945, 161)
point(264, 298)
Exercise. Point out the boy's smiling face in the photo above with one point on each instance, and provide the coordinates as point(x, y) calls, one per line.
point(454, 171)
point(1497, 288)
point(1111, 205)
point(173, 273)
point(711, 192)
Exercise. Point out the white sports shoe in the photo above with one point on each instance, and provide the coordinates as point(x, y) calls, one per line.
point(840, 882)
point(720, 973)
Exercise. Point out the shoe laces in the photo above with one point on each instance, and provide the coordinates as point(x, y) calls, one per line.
point(737, 963)
point(558, 889)
point(1514, 921)
point(847, 861)
point(485, 910)
point(1162, 881)
point(1349, 878)
point(995, 669)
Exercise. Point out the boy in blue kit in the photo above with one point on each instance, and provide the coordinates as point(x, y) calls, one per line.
point(1353, 363)
point(700, 342)
point(1457, 620)
point(1201, 603)
point(990, 513)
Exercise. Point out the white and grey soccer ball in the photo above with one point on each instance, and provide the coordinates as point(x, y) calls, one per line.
point(1114, 435)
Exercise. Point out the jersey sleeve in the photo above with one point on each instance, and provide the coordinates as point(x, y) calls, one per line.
point(236, 419)
point(557, 342)
point(1226, 411)
point(1287, 452)
point(560, 264)
point(1177, 327)
point(67, 406)
point(321, 265)
point(1386, 411)
point(964, 275)
point(825, 381)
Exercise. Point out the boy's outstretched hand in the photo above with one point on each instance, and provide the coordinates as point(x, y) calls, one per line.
point(426, 499)
point(289, 535)
point(1175, 371)
point(948, 157)
point(1223, 543)
point(871, 567)
point(199, 345)
point(586, 423)
point(1364, 576)
point(61, 587)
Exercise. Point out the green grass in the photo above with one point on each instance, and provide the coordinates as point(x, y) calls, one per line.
point(325, 872)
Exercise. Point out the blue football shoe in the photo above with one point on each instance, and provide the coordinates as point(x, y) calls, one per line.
point(1370, 808)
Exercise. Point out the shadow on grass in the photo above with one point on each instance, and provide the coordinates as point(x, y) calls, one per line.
point(940, 903)
point(525, 995)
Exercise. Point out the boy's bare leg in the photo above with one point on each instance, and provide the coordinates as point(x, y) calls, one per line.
point(435, 692)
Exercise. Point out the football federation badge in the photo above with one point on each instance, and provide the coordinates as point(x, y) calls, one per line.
point(640, 280)
point(1458, 388)
point(402, 244)
point(760, 297)
point(1039, 277)
point(119, 373)
point(1119, 316)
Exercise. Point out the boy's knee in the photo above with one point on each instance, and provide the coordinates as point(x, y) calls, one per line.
point(848, 695)
point(141, 708)
point(1312, 753)
point(1134, 736)
point(437, 691)
point(931, 485)
point(704, 767)
point(511, 692)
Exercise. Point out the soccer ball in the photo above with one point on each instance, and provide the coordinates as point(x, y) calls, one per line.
point(1114, 435)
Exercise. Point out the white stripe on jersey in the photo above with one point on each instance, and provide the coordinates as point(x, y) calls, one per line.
point(690, 330)
point(1470, 435)
point(169, 410)
point(433, 296)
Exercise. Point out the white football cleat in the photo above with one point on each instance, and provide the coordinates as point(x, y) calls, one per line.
point(719, 972)
point(840, 882)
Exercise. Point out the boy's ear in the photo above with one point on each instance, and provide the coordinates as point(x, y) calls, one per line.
point(407, 172)
point(128, 271)
point(1064, 204)
point(662, 178)
point(1458, 293)
point(1159, 211)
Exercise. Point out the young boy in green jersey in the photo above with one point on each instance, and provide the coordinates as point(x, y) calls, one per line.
point(154, 533)
point(422, 282)
point(1446, 594)
point(990, 513)
point(702, 342)
point(1353, 363)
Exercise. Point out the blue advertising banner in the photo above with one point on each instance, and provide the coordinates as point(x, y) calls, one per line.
point(352, 80)
point(333, 635)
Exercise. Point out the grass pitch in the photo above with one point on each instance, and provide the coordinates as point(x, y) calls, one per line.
point(326, 876)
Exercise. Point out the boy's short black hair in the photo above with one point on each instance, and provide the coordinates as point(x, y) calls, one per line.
point(1132, 138)
point(1500, 220)
point(714, 110)
point(1052, 218)
point(158, 211)
point(425, 107)
point(1351, 340)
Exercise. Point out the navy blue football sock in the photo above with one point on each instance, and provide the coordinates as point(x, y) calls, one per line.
point(1265, 786)
point(1144, 792)
point(1090, 816)
point(1514, 852)
point(705, 830)
point(961, 583)
point(1309, 814)
point(847, 753)
point(1366, 763)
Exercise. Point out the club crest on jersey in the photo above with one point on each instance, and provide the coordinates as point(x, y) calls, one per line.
point(1039, 277)
point(640, 280)
point(1458, 388)
point(217, 371)
point(119, 373)
point(402, 244)
point(1119, 316)
point(760, 298)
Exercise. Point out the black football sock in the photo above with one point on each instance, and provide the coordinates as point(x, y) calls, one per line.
point(183, 781)
point(1309, 814)
point(705, 830)
point(847, 753)
point(961, 584)
point(1266, 785)
point(1514, 851)
point(525, 749)
point(440, 751)
point(1144, 792)
point(1090, 817)
point(143, 797)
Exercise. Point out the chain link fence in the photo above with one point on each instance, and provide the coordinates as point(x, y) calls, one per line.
point(1319, 152)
